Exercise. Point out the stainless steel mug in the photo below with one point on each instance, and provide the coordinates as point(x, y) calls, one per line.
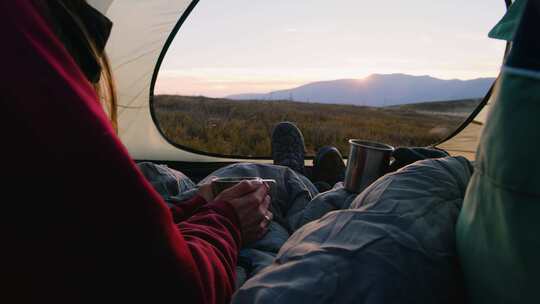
point(367, 162)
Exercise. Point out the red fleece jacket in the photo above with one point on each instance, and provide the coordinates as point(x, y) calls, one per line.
point(79, 223)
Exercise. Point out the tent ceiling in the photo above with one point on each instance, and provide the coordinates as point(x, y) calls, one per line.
point(139, 34)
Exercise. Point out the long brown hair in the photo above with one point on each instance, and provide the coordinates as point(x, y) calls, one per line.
point(105, 87)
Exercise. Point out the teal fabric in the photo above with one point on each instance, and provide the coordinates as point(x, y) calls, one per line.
point(498, 228)
point(498, 231)
point(507, 27)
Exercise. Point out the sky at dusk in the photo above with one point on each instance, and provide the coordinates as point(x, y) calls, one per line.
point(257, 46)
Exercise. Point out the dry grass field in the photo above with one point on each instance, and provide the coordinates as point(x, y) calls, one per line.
point(231, 127)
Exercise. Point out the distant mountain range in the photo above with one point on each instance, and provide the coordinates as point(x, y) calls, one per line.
point(380, 90)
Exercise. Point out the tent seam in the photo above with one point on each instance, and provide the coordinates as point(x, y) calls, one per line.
point(521, 72)
point(504, 186)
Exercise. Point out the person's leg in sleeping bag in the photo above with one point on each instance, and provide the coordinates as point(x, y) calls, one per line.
point(290, 196)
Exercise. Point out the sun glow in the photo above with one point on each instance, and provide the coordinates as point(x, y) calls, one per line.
point(221, 51)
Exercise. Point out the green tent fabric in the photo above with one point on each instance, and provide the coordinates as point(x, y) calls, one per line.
point(498, 232)
point(506, 28)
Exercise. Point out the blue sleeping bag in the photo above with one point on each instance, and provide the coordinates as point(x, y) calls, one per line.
point(395, 244)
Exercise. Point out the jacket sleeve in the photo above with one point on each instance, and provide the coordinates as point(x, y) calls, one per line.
point(184, 210)
point(105, 232)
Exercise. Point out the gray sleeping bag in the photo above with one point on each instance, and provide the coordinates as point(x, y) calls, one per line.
point(396, 244)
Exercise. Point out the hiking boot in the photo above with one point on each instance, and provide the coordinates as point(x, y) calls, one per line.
point(328, 166)
point(288, 147)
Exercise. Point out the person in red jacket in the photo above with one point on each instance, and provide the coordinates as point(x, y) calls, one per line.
point(80, 224)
